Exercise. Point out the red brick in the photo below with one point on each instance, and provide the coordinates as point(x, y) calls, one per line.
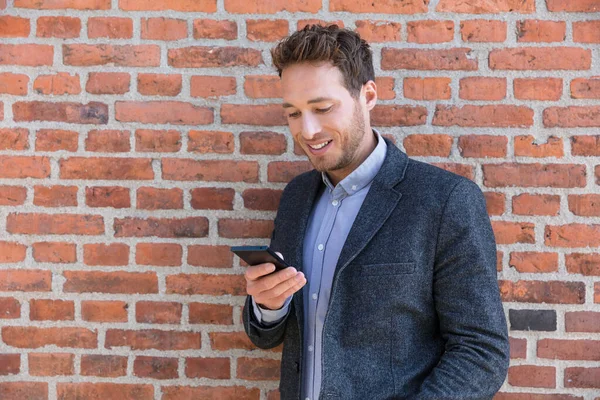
point(152, 339)
point(534, 262)
point(54, 224)
point(220, 314)
point(210, 256)
point(536, 204)
point(494, 203)
point(74, 113)
point(161, 227)
point(532, 30)
point(249, 114)
point(597, 292)
point(582, 321)
point(12, 252)
point(379, 31)
point(379, 7)
point(159, 254)
point(428, 145)
point(582, 88)
point(211, 142)
point(586, 31)
point(25, 280)
point(56, 140)
point(518, 348)
point(154, 312)
point(163, 112)
point(12, 195)
point(212, 368)
point(213, 57)
point(498, 115)
point(212, 285)
point(481, 30)
point(51, 310)
point(227, 341)
point(10, 308)
point(109, 196)
point(534, 175)
point(159, 85)
point(587, 205)
point(106, 168)
point(385, 88)
point(163, 29)
point(572, 117)
point(108, 141)
point(482, 88)
point(212, 86)
point(583, 263)
point(112, 254)
point(572, 235)
point(398, 115)
point(428, 59)
point(258, 369)
point(58, 27)
point(107, 366)
point(285, 171)
point(164, 141)
point(110, 282)
point(262, 86)
point(33, 337)
point(208, 6)
point(482, 146)
point(577, 377)
point(274, 395)
point(538, 88)
point(486, 7)
point(103, 311)
point(271, 7)
point(460, 169)
point(33, 55)
point(427, 88)
point(51, 364)
point(61, 83)
point(24, 167)
point(14, 139)
point(315, 21)
point(551, 292)
point(82, 55)
point(209, 170)
point(265, 30)
point(149, 198)
point(155, 367)
point(541, 58)
point(110, 27)
point(572, 5)
point(215, 29)
point(528, 146)
point(270, 143)
point(13, 26)
point(513, 232)
point(532, 376)
point(236, 228)
point(210, 392)
point(108, 83)
point(18, 390)
point(76, 391)
point(432, 31)
point(560, 349)
point(212, 198)
point(10, 364)
point(13, 83)
point(261, 199)
point(62, 4)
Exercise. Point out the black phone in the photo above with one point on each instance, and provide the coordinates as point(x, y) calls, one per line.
point(254, 255)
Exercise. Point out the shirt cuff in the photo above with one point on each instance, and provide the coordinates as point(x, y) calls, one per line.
point(270, 317)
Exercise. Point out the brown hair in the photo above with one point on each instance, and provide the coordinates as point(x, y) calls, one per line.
point(341, 47)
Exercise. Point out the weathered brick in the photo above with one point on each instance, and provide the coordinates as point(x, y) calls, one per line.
point(24, 167)
point(271, 7)
point(103, 311)
point(481, 30)
point(220, 314)
point(106, 168)
point(212, 198)
point(163, 112)
point(110, 282)
point(583, 263)
point(210, 170)
point(107, 196)
point(507, 232)
point(541, 58)
point(237, 228)
point(155, 312)
point(212, 285)
point(532, 30)
point(210, 256)
point(158, 254)
point(482, 146)
point(17, 390)
point(56, 140)
point(572, 235)
point(536, 204)
point(398, 115)
point(518, 348)
point(582, 88)
point(427, 88)
point(210, 142)
point(532, 376)
point(104, 390)
point(152, 339)
point(551, 292)
point(61, 83)
point(10, 364)
point(51, 364)
point(206, 6)
point(59, 27)
point(262, 86)
point(161, 227)
point(227, 341)
point(534, 262)
point(51, 310)
point(562, 349)
point(14, 139)
point(482, 88)
point(13, 83)
point(212, 368)
point(534, 175)
point(261, 199)
point(587, 205)
point(499, 115)
point(573, 5)
point(74, 113)
point(110, 27)
point(155, 367)
point(215, 29)
point(210, 392)
point(379, 7)
point(250, 114)
point(426, 59)
point(578, 377)
point(494, 203)
point(10, 308)
point(159, 84)
point(258, 369)
point(111, 254)
point(12, 195)
point(379, 31)
point(149, 198)
point(528, 146)
point(582, 321)
point(11, 252)
point(83, 55)
point(12, 26)
point(63, 4)
point(586, 31)
point(54, 224)
point(385, 88)
point(163, 29)
point(532, 320)
point(213, 57)
point(271, 143)
point(107, 366)
point(164, 141)
point(285, 171)
point(108, 141)
point(428, 145)
point(486, 7)
point(108, 83)
point(34, 337)
point(538, 88)
point(572, 117)
point(25, 280)
point(212, 86)
point(32, 55)
point(431, 31)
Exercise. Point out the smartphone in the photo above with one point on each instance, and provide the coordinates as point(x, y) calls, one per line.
point(254, 255)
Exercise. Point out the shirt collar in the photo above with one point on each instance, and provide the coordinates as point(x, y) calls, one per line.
point(364, 173)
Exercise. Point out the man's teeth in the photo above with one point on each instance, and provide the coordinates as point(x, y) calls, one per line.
point(320, 146)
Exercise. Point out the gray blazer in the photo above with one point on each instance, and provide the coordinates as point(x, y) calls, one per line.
point(415, 310)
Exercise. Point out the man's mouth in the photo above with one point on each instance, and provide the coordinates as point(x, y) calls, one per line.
point(319, 146)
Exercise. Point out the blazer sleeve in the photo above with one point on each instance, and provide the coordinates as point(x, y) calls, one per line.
point(467, 301)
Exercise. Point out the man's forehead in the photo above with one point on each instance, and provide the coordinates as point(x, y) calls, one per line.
point(311, 84)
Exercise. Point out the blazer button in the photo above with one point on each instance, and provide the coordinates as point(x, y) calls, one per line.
point(297, 366)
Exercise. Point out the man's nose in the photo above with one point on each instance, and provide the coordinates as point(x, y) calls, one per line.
point(310, 126)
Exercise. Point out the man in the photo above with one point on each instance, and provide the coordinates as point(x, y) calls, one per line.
point(394, 292)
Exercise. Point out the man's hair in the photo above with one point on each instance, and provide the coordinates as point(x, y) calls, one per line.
point(341, 47)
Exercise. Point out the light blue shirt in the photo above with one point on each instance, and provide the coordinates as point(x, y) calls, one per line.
point(329, 223)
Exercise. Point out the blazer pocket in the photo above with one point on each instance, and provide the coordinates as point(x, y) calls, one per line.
point(387, 269)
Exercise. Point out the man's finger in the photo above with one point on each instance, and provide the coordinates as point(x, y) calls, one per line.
point(256, 271)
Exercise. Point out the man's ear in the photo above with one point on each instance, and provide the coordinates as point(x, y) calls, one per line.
point(370, 93)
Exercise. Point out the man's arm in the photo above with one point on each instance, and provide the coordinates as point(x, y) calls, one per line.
point(263, 335)
point(468, 303)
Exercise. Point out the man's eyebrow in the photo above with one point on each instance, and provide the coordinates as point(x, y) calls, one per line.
point(315, 100)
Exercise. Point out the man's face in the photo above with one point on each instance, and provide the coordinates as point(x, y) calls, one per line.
point(324, 119)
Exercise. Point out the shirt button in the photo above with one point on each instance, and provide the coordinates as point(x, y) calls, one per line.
point(321, 247)
point(354, 187)
point(310, 348)
point(314, 296)
point(308, 398)
point(335, 203)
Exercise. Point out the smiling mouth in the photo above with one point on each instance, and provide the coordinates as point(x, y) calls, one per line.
point(319, 146)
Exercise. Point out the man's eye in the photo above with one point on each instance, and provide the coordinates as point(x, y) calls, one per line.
point(294, 114)
point(324, 110)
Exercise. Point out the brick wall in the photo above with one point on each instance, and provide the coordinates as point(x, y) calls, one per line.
point(141, 138)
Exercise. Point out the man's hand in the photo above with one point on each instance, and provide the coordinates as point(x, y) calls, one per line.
point(271, 291)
